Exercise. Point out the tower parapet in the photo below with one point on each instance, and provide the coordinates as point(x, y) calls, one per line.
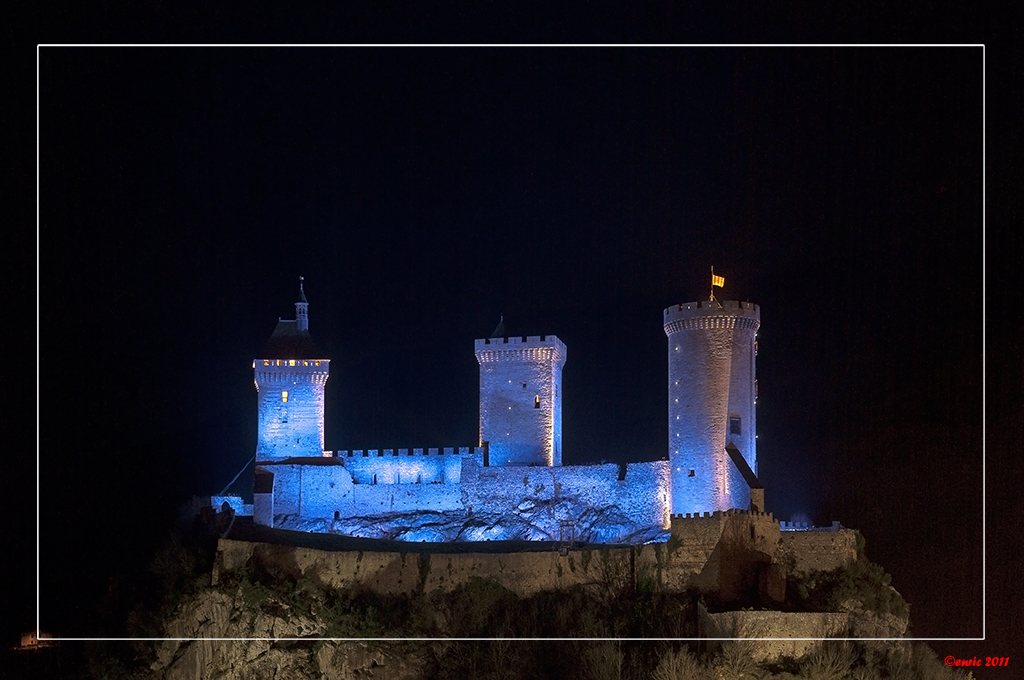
point(521, 398)
point(712, 388)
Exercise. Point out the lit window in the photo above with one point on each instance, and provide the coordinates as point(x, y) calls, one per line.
point(284, 396)
point(278, 362)
point(305, 363)
point(318, 363)
point(536, 401)
point(266, 362)
point(292, 362)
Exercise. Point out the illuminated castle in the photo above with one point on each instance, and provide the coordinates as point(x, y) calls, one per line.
point(513, 484)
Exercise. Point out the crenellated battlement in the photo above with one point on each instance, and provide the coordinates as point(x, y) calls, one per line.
point(720, 514)
point(524, 340)
point(463, 451)
point(804, 526)
point(712, 306)
point(705, 314)
point(520, 348)
point(303, 365)
point(290, 377)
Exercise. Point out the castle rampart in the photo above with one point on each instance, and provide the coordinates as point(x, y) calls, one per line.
point(407, 466)
point(727, 555)
point(805, 551)
point(714, 550)
point(367, 496)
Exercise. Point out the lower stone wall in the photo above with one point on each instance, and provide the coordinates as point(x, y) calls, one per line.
point(718, 554)
point(736, 556)
point(817, 550)
point(770, 624)
point(408, 573)
point(699, 546)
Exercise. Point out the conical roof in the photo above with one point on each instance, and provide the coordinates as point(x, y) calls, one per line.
point(288, 342)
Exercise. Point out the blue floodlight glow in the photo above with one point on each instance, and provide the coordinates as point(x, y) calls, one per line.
point(513, 485)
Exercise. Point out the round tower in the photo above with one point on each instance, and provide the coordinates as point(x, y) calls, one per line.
point(521, 399)
point(290, 379)
point(712, 388)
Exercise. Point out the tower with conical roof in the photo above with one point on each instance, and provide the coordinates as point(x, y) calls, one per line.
point(290, 379)
point(711, 393)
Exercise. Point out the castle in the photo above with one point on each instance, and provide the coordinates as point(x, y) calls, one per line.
point(512, 484)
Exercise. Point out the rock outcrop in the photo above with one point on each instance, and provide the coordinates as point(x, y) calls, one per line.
point(240, 640)
point(531, 520)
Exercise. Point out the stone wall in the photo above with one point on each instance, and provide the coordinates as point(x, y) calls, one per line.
point(817, 550)
point(771, 624)
point(601, 503)
point(725, 553)
point(592, 497)
point(234, 502)
point(408, 573)
point(734, 556)
point(407, 466)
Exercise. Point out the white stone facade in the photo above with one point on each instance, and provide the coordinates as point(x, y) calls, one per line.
point(291, 407)
point(521, 399)
point(711, 394)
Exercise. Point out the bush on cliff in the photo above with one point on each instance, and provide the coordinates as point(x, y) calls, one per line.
point(862, 581)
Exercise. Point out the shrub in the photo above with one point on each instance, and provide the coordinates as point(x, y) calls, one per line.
point(735, 663)
point(680, 665)
point(831, 661)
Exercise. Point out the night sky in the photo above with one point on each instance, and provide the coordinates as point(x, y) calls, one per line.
point(423, 193)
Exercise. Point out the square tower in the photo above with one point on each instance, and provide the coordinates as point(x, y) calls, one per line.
point(521, 399)
point(290, 380)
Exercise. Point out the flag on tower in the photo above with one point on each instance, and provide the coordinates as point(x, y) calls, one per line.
point(718, 281)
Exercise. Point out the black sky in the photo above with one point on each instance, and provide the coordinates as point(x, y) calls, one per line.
point(424, 192)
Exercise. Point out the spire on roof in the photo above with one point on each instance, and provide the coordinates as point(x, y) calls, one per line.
point(499, 330)
point(302, 310)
